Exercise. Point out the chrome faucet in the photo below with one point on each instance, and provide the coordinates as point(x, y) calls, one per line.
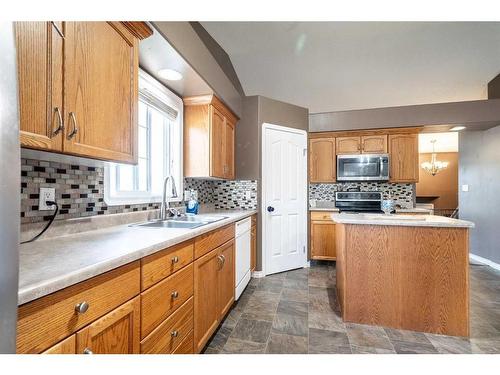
point(165, 202)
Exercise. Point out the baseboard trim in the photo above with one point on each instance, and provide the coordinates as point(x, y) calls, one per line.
point(485, 261)
point(258, 274)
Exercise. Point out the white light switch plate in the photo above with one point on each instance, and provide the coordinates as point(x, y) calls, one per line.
point(465, 187)
point(47, 194)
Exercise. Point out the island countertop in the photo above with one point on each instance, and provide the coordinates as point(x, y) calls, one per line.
point(49, 265)
point(400, 220)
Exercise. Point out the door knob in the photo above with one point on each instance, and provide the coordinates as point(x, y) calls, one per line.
point(270, 208)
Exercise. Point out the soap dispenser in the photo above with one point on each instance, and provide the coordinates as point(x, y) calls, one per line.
point(192, 204)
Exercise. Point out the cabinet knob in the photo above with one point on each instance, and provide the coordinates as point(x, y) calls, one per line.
point(175, 259)
point(174, 294)
point(87, 351)
point(82, 307)
point(174, 333)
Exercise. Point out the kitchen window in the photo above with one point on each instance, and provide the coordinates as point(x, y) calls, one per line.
point(160, 119)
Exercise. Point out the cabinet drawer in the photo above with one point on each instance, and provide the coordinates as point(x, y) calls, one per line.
point(211, 240)
point(162, 299)
point(187, 346)
point(158, 266)
point(323, 215)
point(171, 332)
point(47, 320)
point(66, 346)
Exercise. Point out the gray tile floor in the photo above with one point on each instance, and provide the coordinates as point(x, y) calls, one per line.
point(298, 312)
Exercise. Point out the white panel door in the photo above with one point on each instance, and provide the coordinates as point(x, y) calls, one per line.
point(284, 198)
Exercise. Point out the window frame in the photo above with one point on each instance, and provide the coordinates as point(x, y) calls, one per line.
point(113, 197)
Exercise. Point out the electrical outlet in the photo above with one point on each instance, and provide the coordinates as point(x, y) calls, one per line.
point(465, 188)
point(186, 195)
point(47, 194)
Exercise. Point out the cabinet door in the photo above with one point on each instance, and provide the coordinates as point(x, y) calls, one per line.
point(217, 141)
point(322, 161)
point(403, 150)
point(101, 73)
point(253, 255)
point(39, 48)
point(374, 144)
point(348, 145)
point(117, 332)
point(66, 346)
point(323, 240)
point(229, 150)
point(206, 314)
point(225, 280)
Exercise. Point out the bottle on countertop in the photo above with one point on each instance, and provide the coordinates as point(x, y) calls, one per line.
point(192, 204)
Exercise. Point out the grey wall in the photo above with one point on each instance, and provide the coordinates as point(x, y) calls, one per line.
point(186, 41)
point(268, 111)
point(474, 114)
point(479, 167)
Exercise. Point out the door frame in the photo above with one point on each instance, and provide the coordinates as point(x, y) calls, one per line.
point(268, 126)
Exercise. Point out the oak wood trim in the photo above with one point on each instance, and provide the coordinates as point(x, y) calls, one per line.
point(207, 242)
point(211, 99)
point(66, 346)
point(360, 133)
point(140, 30)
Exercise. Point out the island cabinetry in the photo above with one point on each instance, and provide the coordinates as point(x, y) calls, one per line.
point(404, 277)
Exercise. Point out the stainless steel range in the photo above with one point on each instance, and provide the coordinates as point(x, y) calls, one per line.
point(365, 201)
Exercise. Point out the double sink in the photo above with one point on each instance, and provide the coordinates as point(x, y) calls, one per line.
point(184, 222)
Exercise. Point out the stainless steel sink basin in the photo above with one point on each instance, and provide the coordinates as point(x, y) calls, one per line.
point(186, 222)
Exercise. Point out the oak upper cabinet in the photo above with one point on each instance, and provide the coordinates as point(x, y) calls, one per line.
point(322, 234)
point(91, 67)
point(403, 150)
point(40, 63)
point(117, 332)
point(374, 144)
point(322, 160)
point(209, 129)
point(213, 291)
point(348, 145)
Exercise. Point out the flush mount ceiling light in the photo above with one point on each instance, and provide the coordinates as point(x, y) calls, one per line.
point(457, 128)
point(170, 74)
point(434, 166)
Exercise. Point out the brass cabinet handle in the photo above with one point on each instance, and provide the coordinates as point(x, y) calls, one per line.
point(82, 307)
point(223, 260)
point(87, 351)
point(175, 259)
point(60, 121)
point(174, 333)
point(219, 260)
point(59, 31)
point(174, 294)
point(72, 117)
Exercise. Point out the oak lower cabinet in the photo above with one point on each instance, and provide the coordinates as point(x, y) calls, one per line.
point(322, 236)
point(253, 243)
point(66, 346)
point(209, 129)
point(117, 332)
point(78, 87)
point(213, 291)
point(403, 149)
point(322, 160)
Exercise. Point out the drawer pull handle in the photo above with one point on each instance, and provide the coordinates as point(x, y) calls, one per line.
point(82, 307)
point(175, 294)
point(175, 260)
point(87, 351)
point(174, 333)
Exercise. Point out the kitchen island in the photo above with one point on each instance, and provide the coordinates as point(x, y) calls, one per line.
point(405, 272)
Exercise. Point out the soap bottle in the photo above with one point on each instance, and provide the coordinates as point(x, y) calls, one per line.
point(192, 204)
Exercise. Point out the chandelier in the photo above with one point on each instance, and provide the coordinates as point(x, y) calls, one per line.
point(434, 166)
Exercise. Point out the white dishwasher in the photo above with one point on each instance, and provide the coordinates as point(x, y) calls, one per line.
point(242, 257)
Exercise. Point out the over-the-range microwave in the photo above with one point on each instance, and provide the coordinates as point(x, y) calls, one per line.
point(363, 167)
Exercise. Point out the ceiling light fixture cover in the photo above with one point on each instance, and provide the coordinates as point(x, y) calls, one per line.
point(457, 128)
point(434, 166)
point(170, 74)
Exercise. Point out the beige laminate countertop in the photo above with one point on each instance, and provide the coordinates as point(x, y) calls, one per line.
point(401, 220)
point(46, 266)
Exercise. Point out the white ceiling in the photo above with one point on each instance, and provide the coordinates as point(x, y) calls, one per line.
point(445, 142)
point(156, 53)
point(333, 66)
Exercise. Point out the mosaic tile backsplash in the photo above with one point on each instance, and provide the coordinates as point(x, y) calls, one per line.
point(80, 191)
point(403, 194)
